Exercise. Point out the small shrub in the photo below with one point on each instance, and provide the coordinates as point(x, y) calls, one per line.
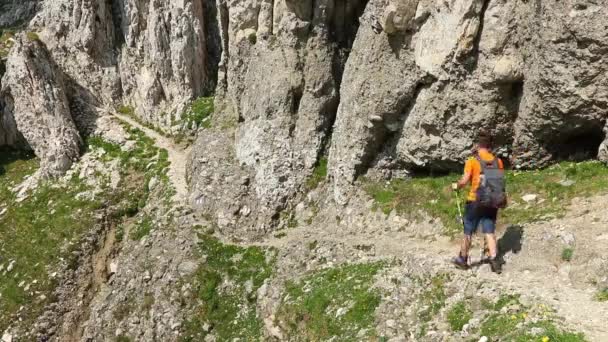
point(602, 295)
point(199, 113)
point(319, 174)
point(253, 38)
point(142, 229)
point(33, 36)
point(126, 110)
point(459, 315)
point(567, 254)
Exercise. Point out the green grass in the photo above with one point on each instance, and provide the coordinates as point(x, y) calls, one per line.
point(513, 325)
point(32, 36)
point(551, 331)
point(36, 233)
point(319, 174)
point(499, 325)
point(459, 315)
point(567, 254)
point(230, 311)
point(433, 298)
point(124, 310)
point(513, 328)
point(199, 113)
point(6, 36)
point(602, 295)
point(126, 110)
point(47, 226)
point(429, 194)
point(142, 228)
point(335, 302)
point(504, 301)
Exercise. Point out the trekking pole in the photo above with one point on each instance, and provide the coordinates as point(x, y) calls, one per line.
point(460, 217)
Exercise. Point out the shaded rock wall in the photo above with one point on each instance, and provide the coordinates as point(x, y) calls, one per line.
point(17, 12)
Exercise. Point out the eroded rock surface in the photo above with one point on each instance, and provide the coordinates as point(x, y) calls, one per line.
point(278, 83)
point(378, 87)
point(401, 86)
point(34, 95)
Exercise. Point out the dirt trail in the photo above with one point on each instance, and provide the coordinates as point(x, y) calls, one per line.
point(534, 270)
point(552, 284)
point(178, 156)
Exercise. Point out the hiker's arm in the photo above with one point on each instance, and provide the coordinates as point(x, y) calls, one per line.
point(466, 178)
point(464, 181)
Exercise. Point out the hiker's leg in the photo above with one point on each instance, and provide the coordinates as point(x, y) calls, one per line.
point(471, 221)
point(488, 226)
point(492, 249)
point(488, 223)
point(465, 246)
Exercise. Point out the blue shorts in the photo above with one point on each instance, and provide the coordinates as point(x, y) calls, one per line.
point(474, 216)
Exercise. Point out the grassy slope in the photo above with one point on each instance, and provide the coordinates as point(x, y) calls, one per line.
point(334, 302)
point(226, 285)
point(410, 197)
point(45, 228)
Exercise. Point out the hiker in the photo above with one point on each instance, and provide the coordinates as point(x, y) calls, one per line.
point(484, 173)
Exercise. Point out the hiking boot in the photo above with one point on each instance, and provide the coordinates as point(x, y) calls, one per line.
point(496, 265)
point(461, 263)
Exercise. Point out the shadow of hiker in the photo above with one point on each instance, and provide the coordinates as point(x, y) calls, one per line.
point(511, 241)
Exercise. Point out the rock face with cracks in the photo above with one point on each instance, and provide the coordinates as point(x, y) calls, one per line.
point(147, 55)
point(377, 85)
point(35, 97)
point(403, 85)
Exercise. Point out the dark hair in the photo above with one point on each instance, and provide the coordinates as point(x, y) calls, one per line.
point(484, 139)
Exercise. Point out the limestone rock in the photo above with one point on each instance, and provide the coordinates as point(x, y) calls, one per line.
point(398, 15)
point(279, 80)
point(151, 55)
point(35, 96)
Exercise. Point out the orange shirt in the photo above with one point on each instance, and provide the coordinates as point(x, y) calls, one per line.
point(473, 168)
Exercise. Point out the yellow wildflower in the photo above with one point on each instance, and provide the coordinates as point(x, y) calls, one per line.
point(513, 317)
point(524, 315)
point(545, 339)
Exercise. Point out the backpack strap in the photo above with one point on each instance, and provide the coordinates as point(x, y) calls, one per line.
point(493, 164)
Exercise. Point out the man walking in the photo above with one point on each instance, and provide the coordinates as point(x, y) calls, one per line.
point(484, 173)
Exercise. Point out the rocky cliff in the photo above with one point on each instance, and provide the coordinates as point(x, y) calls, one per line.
point(387, 87)
point(145, 55)
point(380, 88)
point(297, 216)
